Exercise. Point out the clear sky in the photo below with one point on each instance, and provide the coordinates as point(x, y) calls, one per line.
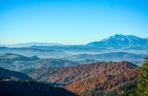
point(70, 21)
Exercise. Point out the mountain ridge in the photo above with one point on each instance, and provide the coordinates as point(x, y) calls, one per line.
point(111, 56)
point(59, 44)
point(121, 41)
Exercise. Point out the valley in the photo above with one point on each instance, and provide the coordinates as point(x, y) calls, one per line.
point(109, 67)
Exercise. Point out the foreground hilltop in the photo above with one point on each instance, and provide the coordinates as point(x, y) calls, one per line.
point(110, 77)
point(29, 88)
point(14, 83)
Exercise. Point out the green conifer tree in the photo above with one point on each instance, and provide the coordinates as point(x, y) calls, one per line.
point(142, 87)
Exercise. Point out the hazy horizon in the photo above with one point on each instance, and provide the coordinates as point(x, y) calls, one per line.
point(71, 21)
point(56, 43)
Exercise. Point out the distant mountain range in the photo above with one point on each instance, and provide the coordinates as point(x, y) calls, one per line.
point(122, 41)
point(112, 56)
point(116, 41)
point(33, 44)
point(115, 48)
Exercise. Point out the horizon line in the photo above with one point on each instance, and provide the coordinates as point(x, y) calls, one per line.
point(60, 43)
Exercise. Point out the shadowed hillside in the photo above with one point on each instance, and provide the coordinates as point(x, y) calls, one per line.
point(7, 74)
point(18, 84)
point(28, 88)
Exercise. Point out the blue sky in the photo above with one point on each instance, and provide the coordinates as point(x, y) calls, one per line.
point(70, 21)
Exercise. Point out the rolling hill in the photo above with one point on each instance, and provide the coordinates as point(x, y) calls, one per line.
point(86, 77)
point(110, 76)
point(112, 56)
point(19, 62)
